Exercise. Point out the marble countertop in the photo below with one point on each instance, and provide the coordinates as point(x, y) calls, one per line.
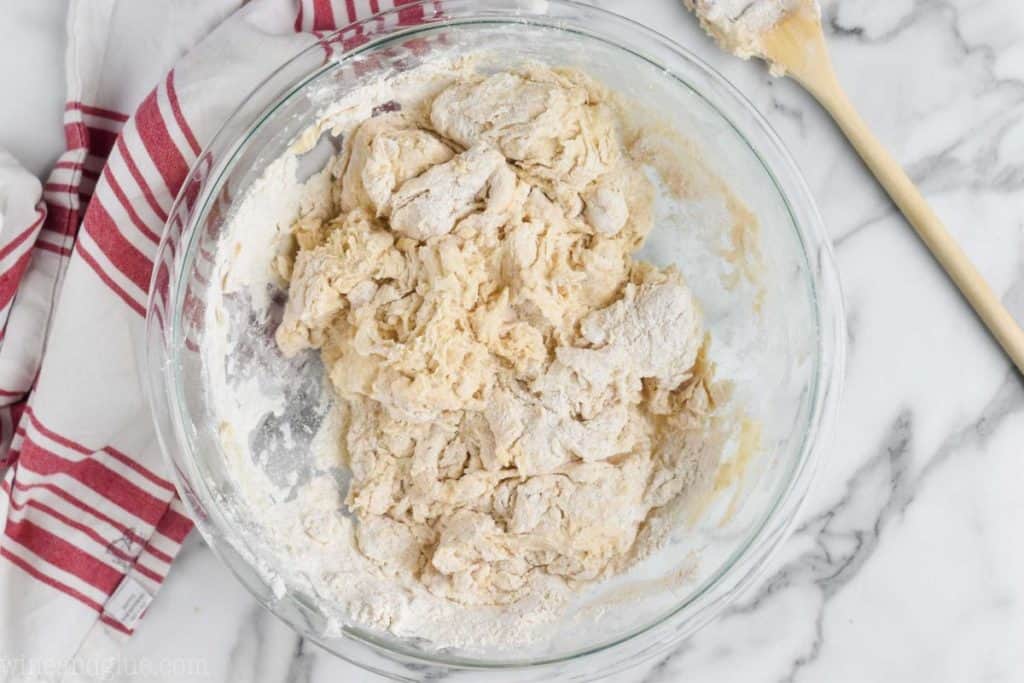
point(907, 563)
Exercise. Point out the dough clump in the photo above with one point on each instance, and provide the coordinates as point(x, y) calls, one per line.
point(740, 26)
point(521, 398)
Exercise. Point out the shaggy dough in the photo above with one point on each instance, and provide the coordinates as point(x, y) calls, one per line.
point(519, 394)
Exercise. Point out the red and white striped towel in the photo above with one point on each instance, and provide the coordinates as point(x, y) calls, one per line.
point(92, 524)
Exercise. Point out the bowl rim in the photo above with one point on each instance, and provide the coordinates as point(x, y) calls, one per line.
point(761, 542)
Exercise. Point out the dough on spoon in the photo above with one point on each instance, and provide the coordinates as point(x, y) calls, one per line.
point(739, 26)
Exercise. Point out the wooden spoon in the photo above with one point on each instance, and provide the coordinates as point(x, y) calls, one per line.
point(795, 45)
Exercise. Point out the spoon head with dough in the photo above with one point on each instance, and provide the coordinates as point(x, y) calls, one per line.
point(784, 33)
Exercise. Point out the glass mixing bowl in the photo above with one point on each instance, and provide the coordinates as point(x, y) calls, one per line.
point(783, 349)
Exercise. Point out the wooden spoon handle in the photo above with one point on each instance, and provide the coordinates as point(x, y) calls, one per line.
point(927, 224)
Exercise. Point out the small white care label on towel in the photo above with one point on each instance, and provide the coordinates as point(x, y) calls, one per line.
point(128, 602)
